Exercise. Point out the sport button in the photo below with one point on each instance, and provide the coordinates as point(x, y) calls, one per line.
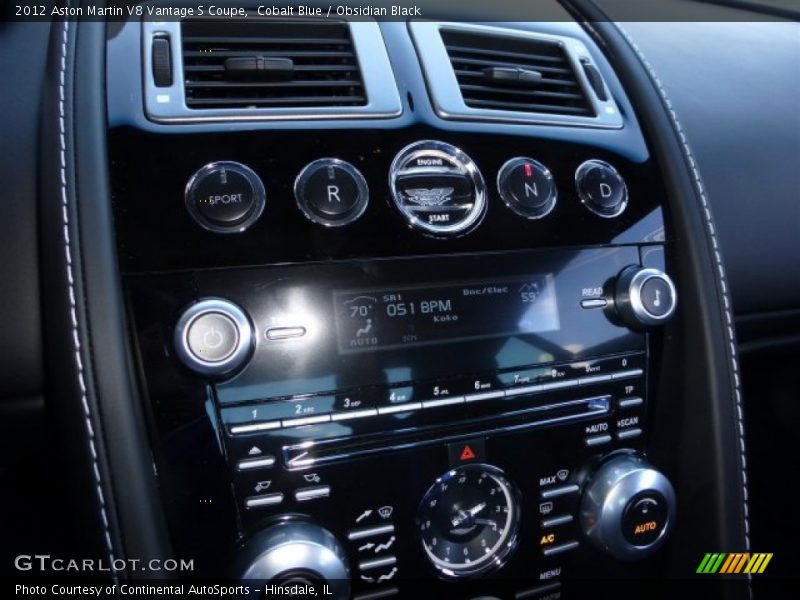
point(225, 197)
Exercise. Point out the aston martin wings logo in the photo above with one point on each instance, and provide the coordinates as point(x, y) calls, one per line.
point(430, 197)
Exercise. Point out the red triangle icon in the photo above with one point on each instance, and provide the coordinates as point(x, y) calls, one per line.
point(467, 453)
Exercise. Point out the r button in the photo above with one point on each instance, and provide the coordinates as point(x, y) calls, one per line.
point(331, 192)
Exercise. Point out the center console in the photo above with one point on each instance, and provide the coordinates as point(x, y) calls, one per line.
point(414, 347)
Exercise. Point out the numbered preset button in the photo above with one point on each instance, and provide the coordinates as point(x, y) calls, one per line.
point(331, 192)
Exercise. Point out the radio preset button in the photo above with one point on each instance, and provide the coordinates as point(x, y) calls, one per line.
point(443, 402)
point(255, 427)
point(331, 192)
point(601, 188)
point(354, 414)
point(400, 408)
point(301, 421)
point(527, 187)
point(496, 395)
point(628, 374)
point(225, 197)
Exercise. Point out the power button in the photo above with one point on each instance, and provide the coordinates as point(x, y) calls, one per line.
point(214, 337)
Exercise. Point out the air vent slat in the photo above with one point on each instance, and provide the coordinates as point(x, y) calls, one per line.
point(321, 67)
point(538, 58)
point(482, 63)
point(288, 41)
point(274, 84)
point(479, 76)
point(281, 102)
point(537, 74)
point(216, 53)
point(512, 92)
point(527, 106)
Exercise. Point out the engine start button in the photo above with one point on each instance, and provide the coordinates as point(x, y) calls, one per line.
point(225, 197)
point(438, 189)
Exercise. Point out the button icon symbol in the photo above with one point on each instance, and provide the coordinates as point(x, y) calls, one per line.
point(363, 515)
point(562, 474)
point(254, 451)
point(262, 486)
point(213, 338)
point(545, 508)
point(385, 511)
point(311, 478)
point(467, 453)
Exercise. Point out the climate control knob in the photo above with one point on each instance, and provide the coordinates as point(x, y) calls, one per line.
point(296, 553)
point(645, 297)
point(628, 508)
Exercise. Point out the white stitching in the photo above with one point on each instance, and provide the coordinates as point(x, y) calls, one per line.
point(73, 307)
point(722, 281)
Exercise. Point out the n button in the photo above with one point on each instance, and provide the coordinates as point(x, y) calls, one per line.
point(468, 451)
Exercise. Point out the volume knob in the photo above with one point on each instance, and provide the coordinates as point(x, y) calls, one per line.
point(645, 297)
point(628, 508)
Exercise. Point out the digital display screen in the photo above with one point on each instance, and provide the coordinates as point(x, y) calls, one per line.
point(369, 320)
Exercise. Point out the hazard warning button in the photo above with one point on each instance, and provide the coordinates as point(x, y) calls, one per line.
point(467, 451)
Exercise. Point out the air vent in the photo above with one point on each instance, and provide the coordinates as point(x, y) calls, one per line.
point(270, 64)
point(508, 73)
point(512, 74)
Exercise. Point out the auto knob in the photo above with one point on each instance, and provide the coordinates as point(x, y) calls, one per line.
point(296, 553)
point(628, 508)
point(644, 297)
